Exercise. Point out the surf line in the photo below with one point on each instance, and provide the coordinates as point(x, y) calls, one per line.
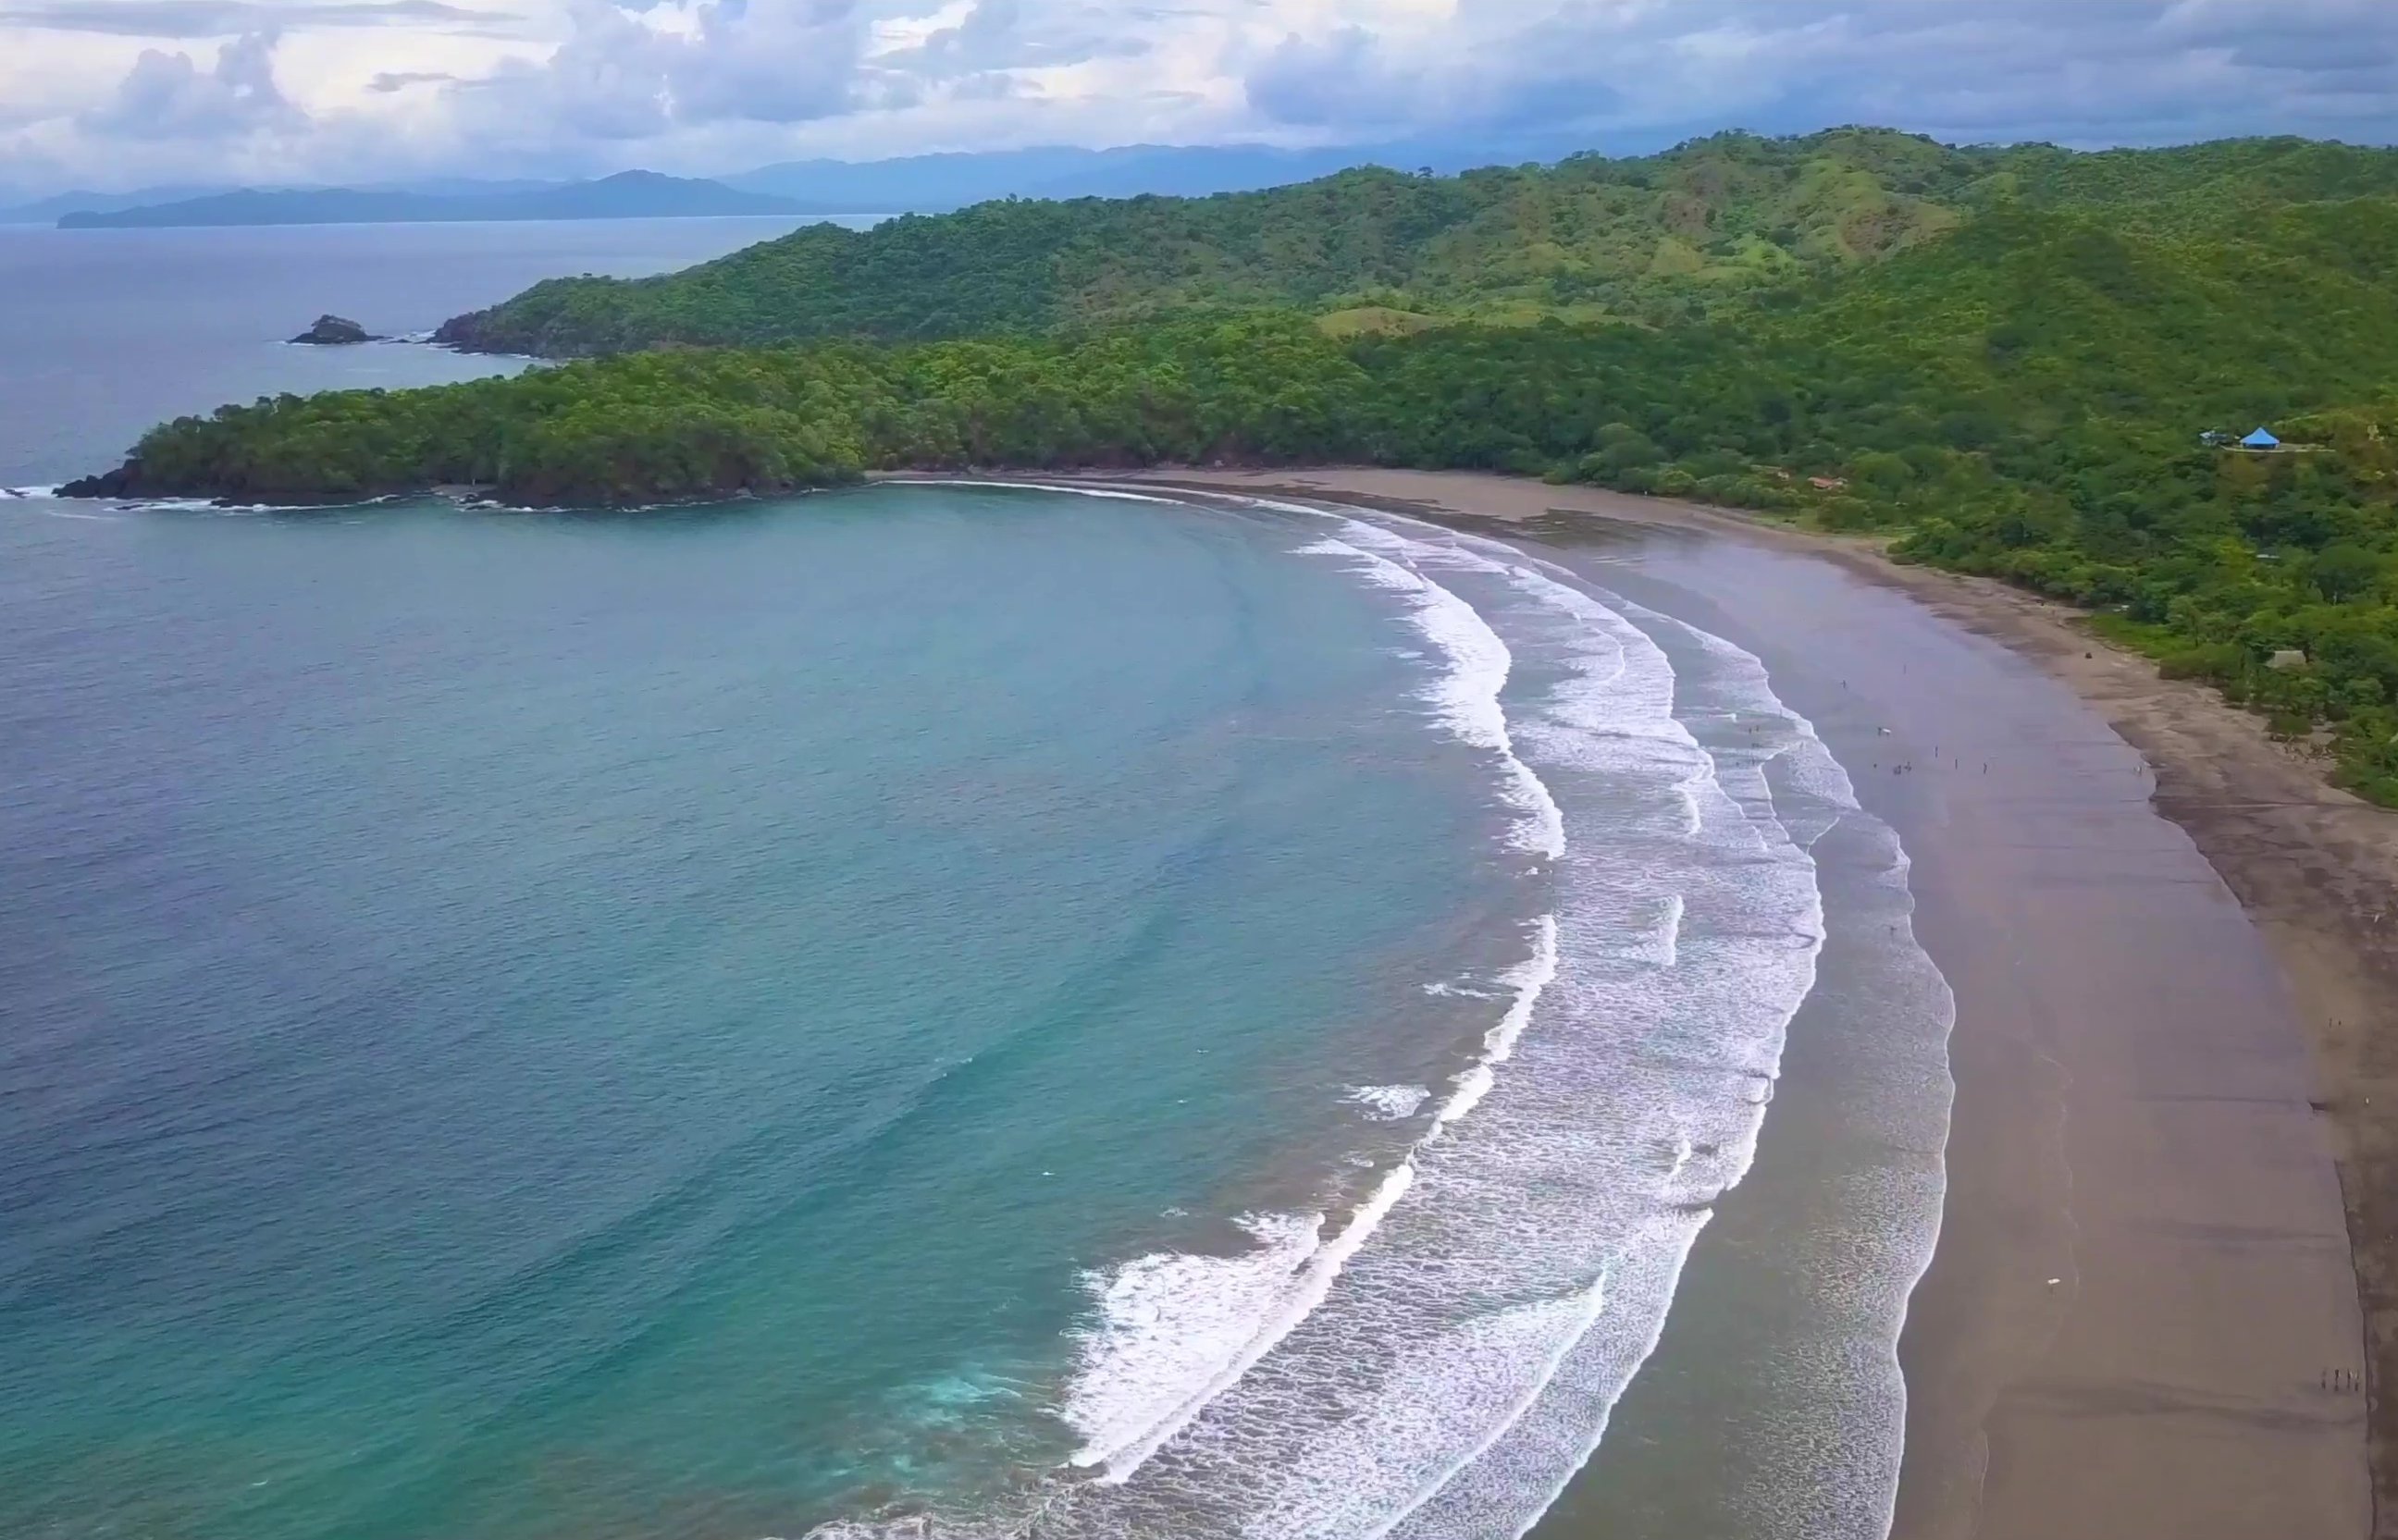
point(1466, 697)
point(1820, 778)
point(1116, 1459)
point(1113, 495)
point(1465, 701)
point(1443, 549)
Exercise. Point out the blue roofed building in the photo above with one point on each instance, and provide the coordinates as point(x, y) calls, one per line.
point(2260, 439)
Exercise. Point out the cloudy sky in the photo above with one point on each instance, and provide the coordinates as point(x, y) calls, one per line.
point(119, 93)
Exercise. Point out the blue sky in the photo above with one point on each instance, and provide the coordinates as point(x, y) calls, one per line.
point(118, 93)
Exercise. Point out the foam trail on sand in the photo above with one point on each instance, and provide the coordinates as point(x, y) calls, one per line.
point(1860, 1262)
point(1666, 939)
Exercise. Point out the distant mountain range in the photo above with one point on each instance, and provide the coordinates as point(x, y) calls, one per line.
point(16, 208)
point(631, 194)
point(50, 209)
point(925, 184)
point(938, 183)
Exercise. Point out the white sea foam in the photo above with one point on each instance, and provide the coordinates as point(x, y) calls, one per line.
point(1665, 940)
point(1528, 979)
point(209, 505)
point(1173, 1342)
point(1175, 1330)
point(1113, 495)
point(28, 491)
point(1772, 764)
point(1464, 695)
point(1439, 1368)
point(1270, 1393)
point(1502, 1360)
point(1168, 1323)
point(1388, 1104)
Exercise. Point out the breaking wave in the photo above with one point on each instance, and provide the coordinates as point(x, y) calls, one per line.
point(1437, 1361)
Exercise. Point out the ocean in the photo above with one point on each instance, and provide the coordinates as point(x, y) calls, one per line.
point(105, 333)
point(931, 1009)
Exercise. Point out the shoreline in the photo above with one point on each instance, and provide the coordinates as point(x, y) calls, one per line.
point(2004, 1394)
point(2166, 1245)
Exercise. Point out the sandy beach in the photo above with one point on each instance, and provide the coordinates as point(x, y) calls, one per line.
point(2173, 1108)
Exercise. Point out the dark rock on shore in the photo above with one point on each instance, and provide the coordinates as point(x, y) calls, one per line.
point(336, 331)
point(494, 331)
point(464, 333)
point(117, 482)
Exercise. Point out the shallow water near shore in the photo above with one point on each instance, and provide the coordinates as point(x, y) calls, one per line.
point(1019, 1013)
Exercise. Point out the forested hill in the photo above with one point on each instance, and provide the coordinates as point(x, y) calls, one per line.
point(2021, 393)
point(1656, 239)
point(2011, 352)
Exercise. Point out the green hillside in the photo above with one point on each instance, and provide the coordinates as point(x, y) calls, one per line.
point(1655, 239)
point(2019, 392)
point(2007, 350)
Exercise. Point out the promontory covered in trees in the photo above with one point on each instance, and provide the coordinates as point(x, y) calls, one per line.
point(2023, 361)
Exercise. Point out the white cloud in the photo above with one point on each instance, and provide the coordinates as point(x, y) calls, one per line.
point(166, 95)
point(628, 78)
point(2100, 71)
point(124, 90)
point(218, 18)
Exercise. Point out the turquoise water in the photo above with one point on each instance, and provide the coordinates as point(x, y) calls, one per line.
point(564, 1022)
point(1062, 1016)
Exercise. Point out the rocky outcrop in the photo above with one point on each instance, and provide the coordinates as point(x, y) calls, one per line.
point(124, 481)
point(336, 331)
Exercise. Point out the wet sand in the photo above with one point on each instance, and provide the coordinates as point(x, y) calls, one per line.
point(2162, 932)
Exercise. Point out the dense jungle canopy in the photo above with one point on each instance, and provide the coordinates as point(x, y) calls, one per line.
point(2003, 359)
